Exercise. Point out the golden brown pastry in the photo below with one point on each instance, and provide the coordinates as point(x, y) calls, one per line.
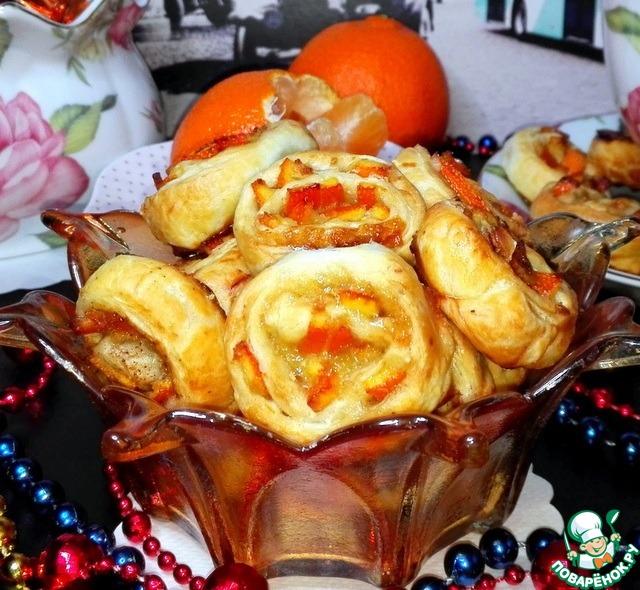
point(615, 157)
point(224, 271)
point(320, 199)
point(198, 198)
point(470, 375)
point(500, 293)
point(569, 196)
point(327, 338)
point(150, 327)
point(473, 375)
point(415, 163)
point(535, 156)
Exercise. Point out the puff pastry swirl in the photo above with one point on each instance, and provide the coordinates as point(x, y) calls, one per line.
point(415, 163)
point(536, 156)
point(327, 338)
point(473, 375)
point(317, 199)
point(616, 157)
point(198, 198)
point(499, 292)
point(150, 327)
point(224, 271)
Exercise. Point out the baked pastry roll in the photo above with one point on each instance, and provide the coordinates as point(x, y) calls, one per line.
point(415, 163)
point(616, 157)
point(499, 292)
point(327, 338)
point(536, 156)
point(150, 327)
point(592, 204)
point(198, 198)
point(473, 375)
point(224, 271)
point(319, 199)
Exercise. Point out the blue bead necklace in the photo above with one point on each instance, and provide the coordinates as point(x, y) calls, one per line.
point(592, 428)
point(464, 563)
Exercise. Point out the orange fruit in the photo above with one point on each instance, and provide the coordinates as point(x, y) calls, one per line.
point(245, 102)
point(239, 104)
point(383, 59)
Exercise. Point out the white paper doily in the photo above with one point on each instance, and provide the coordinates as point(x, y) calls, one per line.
point(533, 510)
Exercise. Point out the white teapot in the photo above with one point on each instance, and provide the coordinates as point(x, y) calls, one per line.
point(74, 96)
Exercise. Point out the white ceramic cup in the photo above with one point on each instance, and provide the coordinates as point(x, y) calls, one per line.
point(621, 36)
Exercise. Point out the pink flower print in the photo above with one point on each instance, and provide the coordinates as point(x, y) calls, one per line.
point(632, 114)
point(34, 172)
point(120, 29)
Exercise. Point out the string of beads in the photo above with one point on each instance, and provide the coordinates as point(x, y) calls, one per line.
point(82, 551)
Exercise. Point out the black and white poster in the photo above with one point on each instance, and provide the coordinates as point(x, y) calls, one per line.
point(507, 61)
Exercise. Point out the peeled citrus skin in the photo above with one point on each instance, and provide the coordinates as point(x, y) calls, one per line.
point(393, 65)
point(236, 105)
point(230, 111)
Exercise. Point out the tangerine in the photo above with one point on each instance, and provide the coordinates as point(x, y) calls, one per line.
point(389, 62)
point(239, 104)
point(247, 101)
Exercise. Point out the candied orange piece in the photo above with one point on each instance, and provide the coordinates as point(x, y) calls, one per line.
point(261, 191)
point(574, 162)
point(251, 368)
point(365, 304)
point(292, 170)
point(323, 392)
point(381, 385)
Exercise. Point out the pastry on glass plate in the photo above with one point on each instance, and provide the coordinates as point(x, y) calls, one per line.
point(615, 157)
point(150, 327)
point(198, 198)
point(319, 199)
point(535, 156)
point(327, 338)
point(590, 202)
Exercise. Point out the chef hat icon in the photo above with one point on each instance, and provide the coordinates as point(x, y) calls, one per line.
point(585, 526)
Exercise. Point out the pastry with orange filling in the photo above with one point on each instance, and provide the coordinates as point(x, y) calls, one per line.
point(224, 271)
point(473, 375)
point(198, 197)
point(616, 157)
point(499, 292)
point(315, 200)
point(150, 327)
point(592, 202)
point(536, 156)
point(325, 339)
point(415, 163)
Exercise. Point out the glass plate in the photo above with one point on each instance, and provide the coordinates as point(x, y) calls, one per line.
point(581, 131)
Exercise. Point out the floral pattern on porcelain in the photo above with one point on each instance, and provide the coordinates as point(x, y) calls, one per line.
point(72, 100)
point(631, 113)
point(35, 173)
point(622, 55)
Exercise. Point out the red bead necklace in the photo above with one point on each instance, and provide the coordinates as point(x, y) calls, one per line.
point(73, 557)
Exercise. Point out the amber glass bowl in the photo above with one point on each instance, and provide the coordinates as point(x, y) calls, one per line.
point(371, 501)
